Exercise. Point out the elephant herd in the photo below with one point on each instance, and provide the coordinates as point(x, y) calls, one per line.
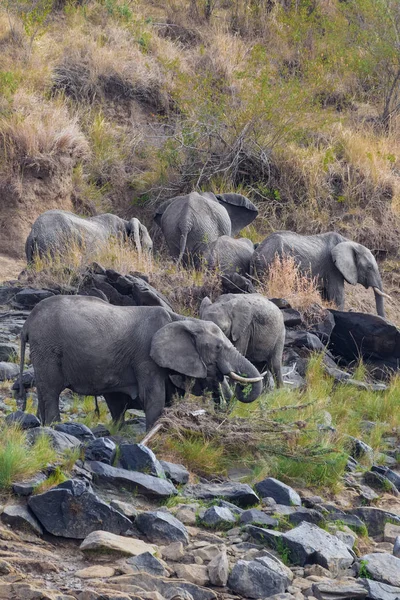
point(133, 355)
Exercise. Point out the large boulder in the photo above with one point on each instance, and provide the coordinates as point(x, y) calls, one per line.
point(78, 430)
point(218, 517)
point(380, 591)
point(60, 441)
point(259, 578)
point(374, 518)
point(178, 474)
point(19, 516)
point(161, 528)
point(136, 457)
point(107, 543)
point(24, 420)
point(238, 493)
point(382, 567)
point(280, 492)
point(101, 449)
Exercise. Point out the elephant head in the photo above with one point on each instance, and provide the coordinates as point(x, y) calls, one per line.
point(357, 265)
point(233, 318)
point(199, 349)
point(140, 235)
point(241, 211)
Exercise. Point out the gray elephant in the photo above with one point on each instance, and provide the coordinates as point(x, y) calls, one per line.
point(255, 326)
point(330, 257)
point(124, 353)
point(189, 223)
point(230, 255)
point(55, 230)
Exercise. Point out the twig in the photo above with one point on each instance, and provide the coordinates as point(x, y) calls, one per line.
point(151, 433)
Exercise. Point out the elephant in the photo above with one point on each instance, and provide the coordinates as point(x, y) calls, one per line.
point(329, 257)
point(189, 223)
point(254, 324)
point(55, 230)
point(230, 255)
point(124, 353)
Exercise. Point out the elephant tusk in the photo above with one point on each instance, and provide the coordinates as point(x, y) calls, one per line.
point(380, 293)
point(237, 377)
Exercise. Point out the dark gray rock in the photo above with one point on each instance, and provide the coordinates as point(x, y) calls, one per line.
point(8, 352)
point(25, 488)
point(359, 449)
point(136, 457)
point(161, 528)
point(267, 537)
point(260, 578)
point(303, 339)
point(145, 485)
point(78, 430)
point(339, 590)
point(382, 567)
point(7, 293)
point(148, 563)
point(8, 370)
point(380, 482)
point(24, 420)
point(28, 380)
point(291, 317)
point(374, 518)
point(380, 591)
point(178, 474)
point(28, 298)
point(100, 431)
point(308, 543)
point(102, 450)
point(71, 510)
point(352, 521)
point(308, 515)
point(20, 517)
point(237, 493)
point(235, 510)
point(169, 588)
point(280, 492)
point(254, 516)
point(60, 441)
point(218, 517)
point(389, 474)
point(125, 508)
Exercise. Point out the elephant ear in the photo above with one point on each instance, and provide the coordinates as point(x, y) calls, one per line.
point(205, 303)
point(174, 347)
point(161, 210)
point(241, 318)
point(241, 211)
point(344, 257)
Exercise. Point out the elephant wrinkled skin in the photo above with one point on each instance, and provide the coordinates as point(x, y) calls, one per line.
point(230, 255)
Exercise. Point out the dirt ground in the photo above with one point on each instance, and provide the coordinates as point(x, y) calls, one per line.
point(10, 268)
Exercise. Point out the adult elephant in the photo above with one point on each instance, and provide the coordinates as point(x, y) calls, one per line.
point(55, 231)
point(255, 326)
point(124, 353)
point(189, 223)
point(230, 255)
point(330, 257)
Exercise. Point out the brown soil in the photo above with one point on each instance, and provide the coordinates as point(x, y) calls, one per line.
point(10, 268)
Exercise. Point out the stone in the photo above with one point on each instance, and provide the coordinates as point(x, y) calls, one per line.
point(396, 547)
point(139, 458)
point(178, 474)
point(173, 551)
point(217, 517)
point(259, 578)
point(125, 508)
point(19, 517)
point(367, 494)
point(169, 589)
point(280, 492)
point(346, 537)
point(359, 449)
point(238, 493)
point(207, 553)
point(24, 420)
point(374, 518)
point(78, 430)
point(391, 532)
point(28, 297)
point(96, 572)
point(291, 317)
point(100, 431)
point(218, 570)
point(267, 537)
point(25, 488)
point(235, 510)
point(308, 515)
point(197, 574)
point(148, 563)
point(28, 380)
point(308, 543)
point(146, 485)
point(8, 352)
point(380, 482)
point(384, 568)
point(254, 516)
point(338, 590)
point(380, 591)
point(8, 370)
point(61, 442)
point(161, 527)
point(71, 510)
point(389, 474)
point(101, 449)
point(104, 541)
point(187, 515)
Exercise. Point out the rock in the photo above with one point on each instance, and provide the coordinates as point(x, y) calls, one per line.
point(391, 532)
point(25, 488)
point(374, 518)
point(257, 517)
point(161, 527)
point(338, 590)
point(197, 574)
point(291, 317)
point(61, 442)
point(8, 352)
point(396, 547)
point(148, 563)
point(389, 474)
point(346, 537)
point(104, 541)
point(367, 494)
point(187, 514)
point(100, 431)
point(136, 457)
point(176, 473)
point(380, 482)
point(280, 492)
point(308, 515)
point(360, 449)
point(19, 517)
point(24, 420)
point(71, 510)
point(308, 543)
point(78, 430)
point(173, 551)
point(125, 508)
point(235, 510)
point(28, 380)
point(96, 572)
point(303, 339)
point(259, 578)
point(28, 298)
point(379, 591)
point(218, 570)
point(238, 493)
point(267, 537)
point(169, 589)
point(207, 553)
point(382, 567)
point(101, 449)
point(8, 370)
point(217, 517)
point(146, 485)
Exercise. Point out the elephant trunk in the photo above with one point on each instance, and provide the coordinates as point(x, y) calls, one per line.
point(379, 302)
point(251, 382)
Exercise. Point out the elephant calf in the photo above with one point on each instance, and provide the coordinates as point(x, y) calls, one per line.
point(55, 231)
point(230, 255)
point(254, 324)
point(124, 353)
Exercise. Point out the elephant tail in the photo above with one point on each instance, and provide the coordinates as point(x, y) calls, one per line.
point(182, 245)
point(22, 392)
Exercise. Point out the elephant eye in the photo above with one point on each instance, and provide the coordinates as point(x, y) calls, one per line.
point(219, 347)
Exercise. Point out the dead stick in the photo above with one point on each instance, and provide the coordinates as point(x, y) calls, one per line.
point(151, 434)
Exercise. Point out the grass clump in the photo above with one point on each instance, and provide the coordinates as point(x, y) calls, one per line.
point(52, 480)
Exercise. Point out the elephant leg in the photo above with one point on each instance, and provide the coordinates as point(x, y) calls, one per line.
point(276, 370)
point(117, 403)
point(49, 386)
point(152, 392)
